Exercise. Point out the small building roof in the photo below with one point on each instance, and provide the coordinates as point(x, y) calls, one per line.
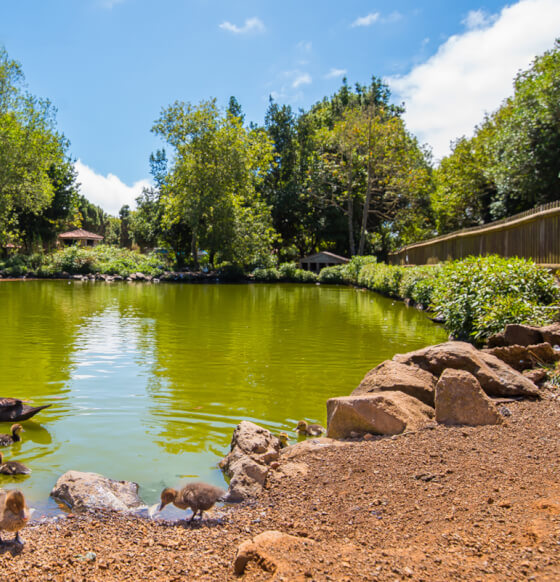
point(80, 233)
point(325, 254)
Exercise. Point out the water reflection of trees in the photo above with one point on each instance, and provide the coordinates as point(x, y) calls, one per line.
point(271, 353)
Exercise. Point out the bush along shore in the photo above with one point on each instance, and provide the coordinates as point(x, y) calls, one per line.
point(474, 297)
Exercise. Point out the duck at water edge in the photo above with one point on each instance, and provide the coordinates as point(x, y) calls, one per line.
point(14, 513)
point(197, 496)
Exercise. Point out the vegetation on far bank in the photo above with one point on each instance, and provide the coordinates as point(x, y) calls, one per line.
point(475, 297)
point(346, 175)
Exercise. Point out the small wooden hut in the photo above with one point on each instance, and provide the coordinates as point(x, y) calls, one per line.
point(320, 260)
point(80, 237)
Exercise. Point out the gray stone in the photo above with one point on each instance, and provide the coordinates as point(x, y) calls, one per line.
point(252, 450)
point(82, 491)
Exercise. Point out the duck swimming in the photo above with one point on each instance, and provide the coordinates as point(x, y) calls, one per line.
point(14, 513)
point(197, 496)
point(14, 410)
point(13, 467)
point(303, 427)
point(9, 439)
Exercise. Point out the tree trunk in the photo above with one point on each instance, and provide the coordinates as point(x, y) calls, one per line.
point(367, 201)
point(194, 249)
point(351, 242)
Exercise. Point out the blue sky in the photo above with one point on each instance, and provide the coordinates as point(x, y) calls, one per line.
point(109, 66)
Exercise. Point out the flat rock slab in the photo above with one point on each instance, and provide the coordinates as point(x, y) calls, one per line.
point(460, 400)
point(495, 376)
point(394, 376)
point(378, 413)
point(82, 491)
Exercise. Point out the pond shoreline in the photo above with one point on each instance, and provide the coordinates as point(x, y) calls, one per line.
point(449, 503)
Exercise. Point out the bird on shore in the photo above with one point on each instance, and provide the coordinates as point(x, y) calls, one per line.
point(14, 513)
point(303, 427)
point(9, 439)
point(284, 440)
point(197, 496)
point(14, 410)
point(13, 467)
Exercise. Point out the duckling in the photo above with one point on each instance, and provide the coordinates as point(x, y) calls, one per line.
point(303, 427)
point(6, 439)
point(13, 468)
point(284, 439)
point(197, 496)
point(14, 513)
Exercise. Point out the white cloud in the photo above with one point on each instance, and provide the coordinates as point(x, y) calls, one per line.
point(251, 25)
point(367, 20)
point(472, 73)
point(303, 79)
point(334, 73)
point(478, 19)
point(109, 191)
point(304, 46)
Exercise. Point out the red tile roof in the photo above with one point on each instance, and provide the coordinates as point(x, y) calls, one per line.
point(80, 233)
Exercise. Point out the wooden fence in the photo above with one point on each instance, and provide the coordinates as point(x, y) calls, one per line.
point(534, 234)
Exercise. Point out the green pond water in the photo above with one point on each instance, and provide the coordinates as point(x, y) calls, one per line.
point(147, 382)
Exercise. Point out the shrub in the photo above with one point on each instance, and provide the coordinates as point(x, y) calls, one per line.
point(266, 275)
point(382, 278)
point(351, 270)
point(469, 293)
point(417, 284)
point(332, 275)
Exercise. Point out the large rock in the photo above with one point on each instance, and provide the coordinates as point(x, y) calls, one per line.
point(253, 448)
point(516, 334)
point(273, 551)
point(393, 376)
point(495, 377)
point(377, 413)
point(524, 357)
point(551, 334)
point(460, 400)
point(90, 491)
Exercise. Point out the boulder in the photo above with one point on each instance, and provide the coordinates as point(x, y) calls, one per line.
point(82, 491)
point(460, 400)
point(522, 335)
point(495, 376)
point(252, 450)
point(551, 334)
point(377, 413)
point(271, 551)
point(524, 357)
point(393, 376)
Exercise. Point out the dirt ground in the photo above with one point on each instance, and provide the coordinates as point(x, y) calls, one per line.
point(439, 504)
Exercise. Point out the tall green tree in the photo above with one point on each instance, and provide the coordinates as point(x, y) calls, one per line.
point(212, 183)
point(30, 147)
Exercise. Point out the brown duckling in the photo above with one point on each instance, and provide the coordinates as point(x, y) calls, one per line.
point(303, 427)
point(13, 467)
point(197, 496)
point(14, 513)
point(9, 439)
point(284, 440)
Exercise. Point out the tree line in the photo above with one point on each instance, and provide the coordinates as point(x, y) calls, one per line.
point(345, 175)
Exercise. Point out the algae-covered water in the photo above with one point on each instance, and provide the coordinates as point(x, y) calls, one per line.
point(147, 382)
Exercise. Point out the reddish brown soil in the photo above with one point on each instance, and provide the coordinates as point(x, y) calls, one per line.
point(440, 504)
